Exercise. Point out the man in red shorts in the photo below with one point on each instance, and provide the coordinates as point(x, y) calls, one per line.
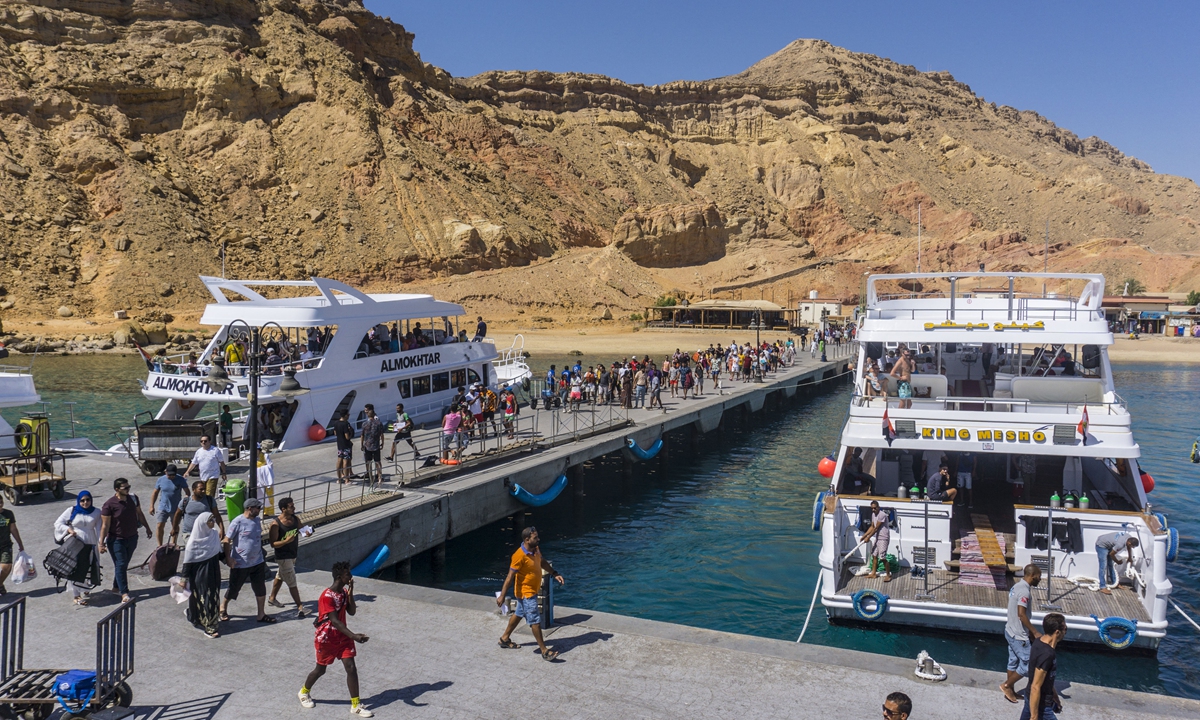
point(334, 640)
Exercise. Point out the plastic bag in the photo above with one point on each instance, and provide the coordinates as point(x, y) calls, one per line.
point(23, 569)
point(179, 593)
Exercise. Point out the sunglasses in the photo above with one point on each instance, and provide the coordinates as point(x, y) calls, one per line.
point(890, 713)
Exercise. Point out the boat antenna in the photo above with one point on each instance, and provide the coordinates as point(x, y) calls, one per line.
point(1046, 257)
point(224, 243)
point(918, 237)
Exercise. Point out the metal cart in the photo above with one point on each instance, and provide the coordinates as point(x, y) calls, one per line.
point(29, 694)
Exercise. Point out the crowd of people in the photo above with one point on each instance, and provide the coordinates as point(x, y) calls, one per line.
point(639, 383)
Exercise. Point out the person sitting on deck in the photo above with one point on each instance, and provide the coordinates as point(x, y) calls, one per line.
point(940, 486)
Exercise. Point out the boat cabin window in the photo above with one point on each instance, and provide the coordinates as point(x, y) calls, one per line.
point(405, 388)
point(420, 386)
point(458, 378)
point(405, 335)
point(472, 377)
point(441, 381)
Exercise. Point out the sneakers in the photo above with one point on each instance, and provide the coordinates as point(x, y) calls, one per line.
point(275, 603)
point(361, 711)
point(306, 700)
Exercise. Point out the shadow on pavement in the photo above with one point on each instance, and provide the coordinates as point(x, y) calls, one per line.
point(407, 695)
point(201, 709)
point(574, 619)
point(567, 644)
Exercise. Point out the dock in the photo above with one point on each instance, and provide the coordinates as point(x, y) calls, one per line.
point(433, 654)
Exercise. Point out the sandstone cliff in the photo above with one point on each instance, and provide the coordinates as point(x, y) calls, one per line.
point(141, 139)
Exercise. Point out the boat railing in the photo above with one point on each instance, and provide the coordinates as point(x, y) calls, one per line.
point(164, 366)
point(16, 369)
point(1003, 318)
point(951, 403)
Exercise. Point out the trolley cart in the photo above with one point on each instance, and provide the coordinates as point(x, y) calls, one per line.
point(29, 694)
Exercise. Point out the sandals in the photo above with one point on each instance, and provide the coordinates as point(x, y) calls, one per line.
point(224, 617)
point(212, 634)
point(550, 655)
point(81, 601)
point(266, 619)
point(509, 644)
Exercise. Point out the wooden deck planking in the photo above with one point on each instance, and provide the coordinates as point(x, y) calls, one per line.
point(944, 586)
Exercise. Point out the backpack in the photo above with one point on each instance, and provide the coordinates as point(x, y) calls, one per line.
point(75, 687)
point(63, 561)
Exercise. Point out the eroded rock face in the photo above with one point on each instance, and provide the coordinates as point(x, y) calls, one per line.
point(672, 236)
point(142, 139)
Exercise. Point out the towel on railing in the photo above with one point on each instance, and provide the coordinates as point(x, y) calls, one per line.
point(1067, 531)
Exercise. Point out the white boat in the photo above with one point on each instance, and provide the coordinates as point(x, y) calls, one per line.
point(345, 347)
point(1021, 382)
point(16, 390)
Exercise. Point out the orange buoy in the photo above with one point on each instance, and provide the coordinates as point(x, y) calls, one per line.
point(826, 466)
point(449, 461)
point(316, 433)
point(1147, 482)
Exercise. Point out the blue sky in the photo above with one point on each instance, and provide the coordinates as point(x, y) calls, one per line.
point(1128, 72)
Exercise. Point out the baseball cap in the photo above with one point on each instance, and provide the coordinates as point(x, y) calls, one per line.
point(172, 469)
point(253, 502)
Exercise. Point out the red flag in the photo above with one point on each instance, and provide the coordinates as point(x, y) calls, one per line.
point(145, 356)
point(889, 432)
point(1083, 425)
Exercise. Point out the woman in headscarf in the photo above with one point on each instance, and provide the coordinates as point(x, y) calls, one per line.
point(201, 574)
point(83, 523)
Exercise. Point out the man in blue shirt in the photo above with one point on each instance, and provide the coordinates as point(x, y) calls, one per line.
point(244, 556)
point(169, 489)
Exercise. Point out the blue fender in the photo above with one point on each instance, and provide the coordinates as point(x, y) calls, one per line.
point(372, 563)
point(644, 454)
point(818, 511)
point(1162, 520)
point(545, 498)
point(860, 600)
point(1172, 544)
point(1107, 625)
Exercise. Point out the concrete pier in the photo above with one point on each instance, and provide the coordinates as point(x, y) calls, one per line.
point(433, 654)
point(429, 515)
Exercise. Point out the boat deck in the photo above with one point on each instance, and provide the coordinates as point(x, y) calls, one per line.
point(946, 588)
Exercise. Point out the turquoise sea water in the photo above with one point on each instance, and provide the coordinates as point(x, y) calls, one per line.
point(718, 536)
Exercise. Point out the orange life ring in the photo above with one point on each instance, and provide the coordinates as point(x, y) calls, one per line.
point(449, 462)
point(187, 404)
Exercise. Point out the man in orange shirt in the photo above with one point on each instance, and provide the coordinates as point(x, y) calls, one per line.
point(526, 570)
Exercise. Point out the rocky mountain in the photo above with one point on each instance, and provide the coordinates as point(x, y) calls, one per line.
point(142, 139)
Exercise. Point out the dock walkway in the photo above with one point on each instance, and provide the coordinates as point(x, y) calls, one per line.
point(433, 654)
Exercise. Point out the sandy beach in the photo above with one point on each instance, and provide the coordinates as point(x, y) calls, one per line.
point(1155, 348)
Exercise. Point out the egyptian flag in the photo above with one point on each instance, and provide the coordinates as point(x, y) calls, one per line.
point(145, 356)
point(889, 432)
point(1083, 425)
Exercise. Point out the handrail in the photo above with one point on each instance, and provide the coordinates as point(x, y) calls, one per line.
point(1068, 407)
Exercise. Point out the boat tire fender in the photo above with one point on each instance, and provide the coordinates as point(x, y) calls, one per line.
point(1107, 625)
point(1162, 520)
point(1172, 544)
point(818, 511)
point(867, 595)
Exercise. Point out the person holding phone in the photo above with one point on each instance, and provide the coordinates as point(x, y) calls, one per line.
point(335, 641)
point(285, 538)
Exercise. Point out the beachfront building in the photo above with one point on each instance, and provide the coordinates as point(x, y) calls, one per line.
point(725, 314)
point(816, 311)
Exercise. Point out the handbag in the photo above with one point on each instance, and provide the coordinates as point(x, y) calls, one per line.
point(76, 687)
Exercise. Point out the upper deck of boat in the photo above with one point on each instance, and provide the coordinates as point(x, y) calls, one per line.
point(334, 303)
point(971, 308)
